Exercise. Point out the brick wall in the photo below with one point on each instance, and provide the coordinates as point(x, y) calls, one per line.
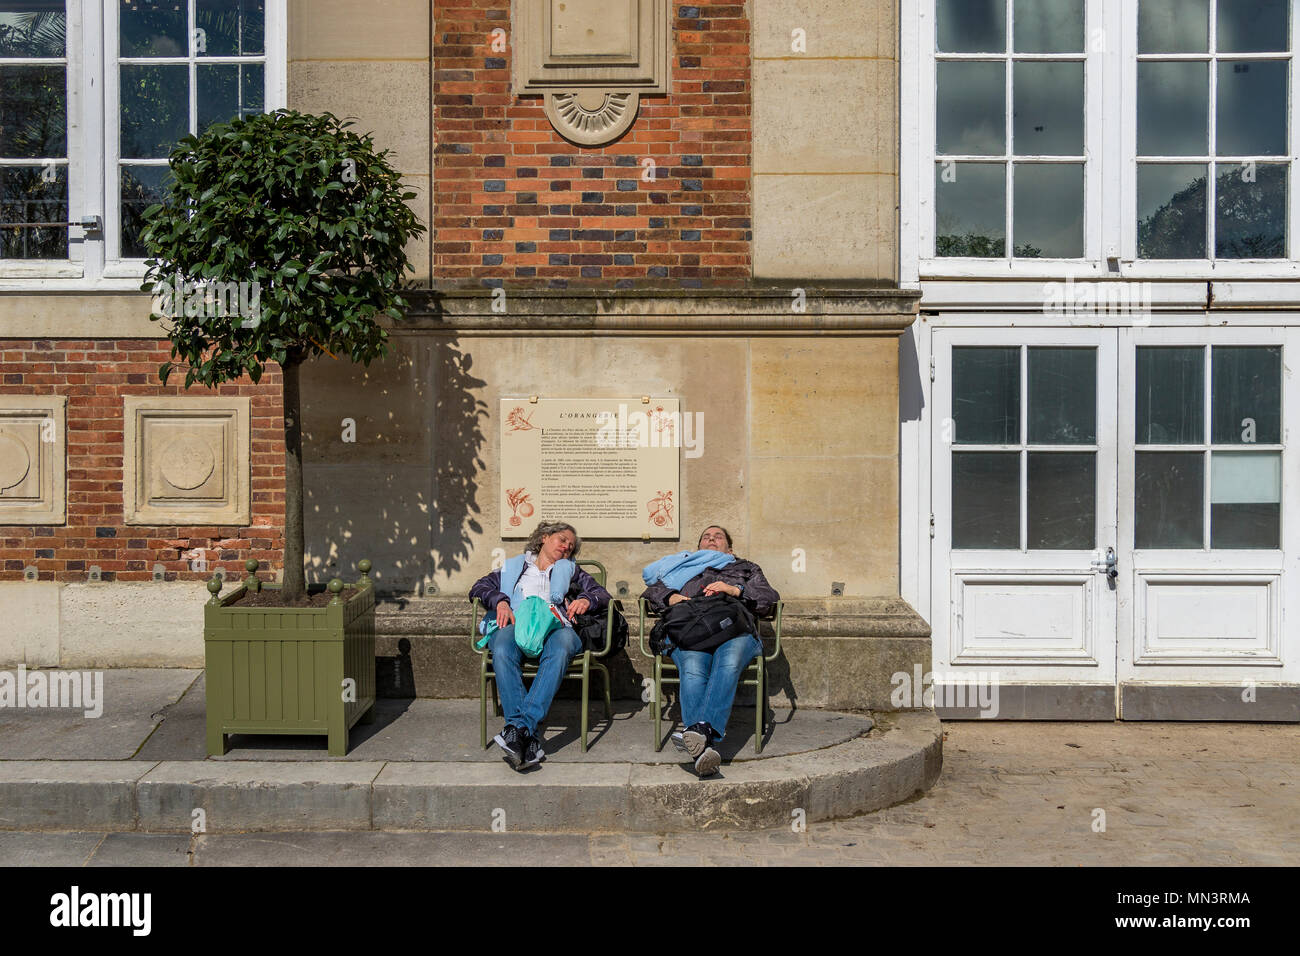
point(517, 204)
point(95, 376)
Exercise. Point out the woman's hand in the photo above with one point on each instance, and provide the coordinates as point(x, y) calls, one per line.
point(577, 607)
point(677, 599)
point(504, 615)
point(717, 587)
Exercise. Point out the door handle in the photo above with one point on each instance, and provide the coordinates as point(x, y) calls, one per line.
point(1106, 564)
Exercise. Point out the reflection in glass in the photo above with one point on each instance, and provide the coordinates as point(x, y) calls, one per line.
point(230, 27)
point(1171, 211)
point(33, 194)
point(1048, 210)
point(971, 115)
point(1173, 26)
point(33, 28)
point(1170, 396)
point(1251, 107)
point(970, 209)
point(155, 110)
point(227, 92)
point(972, 26)
point(153, 28)
point(1048, 26)
point(1062, 396)
point(142, 187)
point(986, 395)
point(986, 500)
point(1250, 211)
point(1170, 493)
point(1048, 109)
point(1252, 26)
point(1173, 109)
point(1062, 501)
point(33, 112)
point(1245, 499)
point(1246, 404)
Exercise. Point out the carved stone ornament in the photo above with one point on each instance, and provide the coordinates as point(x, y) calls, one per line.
point(592, 60)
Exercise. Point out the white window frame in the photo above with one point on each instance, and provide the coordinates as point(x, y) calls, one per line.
point(93, 142)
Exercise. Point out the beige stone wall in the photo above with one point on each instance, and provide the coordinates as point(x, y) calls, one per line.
point(825, 139)
point(370, 63)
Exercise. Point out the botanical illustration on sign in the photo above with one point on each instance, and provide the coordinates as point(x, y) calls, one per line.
point(661, 508)
point(519, 505)
point(519, 422)
point(662, 422)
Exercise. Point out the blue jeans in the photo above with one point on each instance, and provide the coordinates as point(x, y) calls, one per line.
point(709, 680)
point(527, 709)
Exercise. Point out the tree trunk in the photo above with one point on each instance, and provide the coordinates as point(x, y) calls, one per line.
point(295, 582)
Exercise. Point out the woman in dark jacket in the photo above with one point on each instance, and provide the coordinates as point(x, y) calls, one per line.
point(709, 678)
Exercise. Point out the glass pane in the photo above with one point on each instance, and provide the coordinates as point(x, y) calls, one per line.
point(33, 112)
point(155, 110)
point(1246, 406)
point(971, 209)
point(1173, 26)
point(1062, 396)
point(1170, 396)
point(972, 26)
point(1250, 211)
point(1251, 107)
point(1062, 501)
point(1048, 210)
point(1170, 491)
point(229, 27)
point(986, 500)
point(1173, 109)
point(1245, 499)
point(1171, 211)
point(1048, 26)
point(1252, 26)
point(223, 96)
point(33, 28)
point(971, 117)
point(153, 28)
point(1049, 109)
point(33, 194)
point(986, 396)
point(142, 186)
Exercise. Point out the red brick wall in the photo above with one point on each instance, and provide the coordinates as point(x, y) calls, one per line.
point(95, 376)
point(516, 204)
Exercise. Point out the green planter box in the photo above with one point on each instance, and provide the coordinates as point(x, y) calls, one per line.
point(283, 670)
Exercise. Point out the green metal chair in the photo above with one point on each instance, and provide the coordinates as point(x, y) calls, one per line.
point(580, 667)
point(755, 675)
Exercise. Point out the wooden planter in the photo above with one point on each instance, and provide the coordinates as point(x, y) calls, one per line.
point(283, 670)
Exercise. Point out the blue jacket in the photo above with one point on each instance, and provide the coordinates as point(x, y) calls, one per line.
point(568, 583)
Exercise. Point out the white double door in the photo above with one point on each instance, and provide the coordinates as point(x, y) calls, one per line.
point(1114, 505)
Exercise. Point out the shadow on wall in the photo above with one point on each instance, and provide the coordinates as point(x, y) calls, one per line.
point(392, 455)
point(911, 390)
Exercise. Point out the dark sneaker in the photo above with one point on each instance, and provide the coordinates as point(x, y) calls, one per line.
point(511, 740)
point(708, 762)
point(533, 752)
point(694, 739)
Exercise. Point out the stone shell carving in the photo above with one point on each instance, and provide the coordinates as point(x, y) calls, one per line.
point(592, 117)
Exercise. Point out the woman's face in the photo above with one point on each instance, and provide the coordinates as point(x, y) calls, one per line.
point(558, 546)
point(714, 539)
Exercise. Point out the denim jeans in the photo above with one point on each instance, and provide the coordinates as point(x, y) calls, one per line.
point(709, 680)
point(527, 709)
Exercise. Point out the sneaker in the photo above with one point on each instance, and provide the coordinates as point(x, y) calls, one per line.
point(511, 740)
point(693, 740)
point(708, 762)
point(533, 752)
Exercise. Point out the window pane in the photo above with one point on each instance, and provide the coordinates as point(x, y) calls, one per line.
point(153, 28)
point(1251, 107)
point(1049, 109)
point(1170, 396)
point(1252, 26)
point(224, 96)
point(1062, 501)
point(155, 110)
point(972, 26)
point(1048, 210)
point(1170, 491)
point(971, 117)
point(1062, 396)
point(971, 209)
point(33, 194)
point(1245, 499)
point(1173, 109)
point(229, 27)
point(986, 500)
point(33, 112)
point(1246, 406)
point(1048, 26)
point(986, 396)
point(142, 186)
point(1171, 211)
point(1173, 26)
point(1250, 211)
point(33, 28)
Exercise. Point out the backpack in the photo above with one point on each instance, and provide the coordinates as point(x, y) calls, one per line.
point(591, 628)
point(701, 624)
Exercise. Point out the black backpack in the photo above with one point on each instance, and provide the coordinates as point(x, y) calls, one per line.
point(591, 628)
point(701, 624)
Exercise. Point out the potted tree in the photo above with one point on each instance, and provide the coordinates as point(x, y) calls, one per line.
point(297, 221)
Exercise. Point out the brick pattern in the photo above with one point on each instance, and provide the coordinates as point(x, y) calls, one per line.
point(95, 376)
point(515, 204)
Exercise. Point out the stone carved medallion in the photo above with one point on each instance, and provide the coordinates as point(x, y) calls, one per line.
point(33, 459)
point(592, 117)
point(15, 462)
point(187, 463)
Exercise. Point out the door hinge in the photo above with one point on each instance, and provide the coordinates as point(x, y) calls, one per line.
point(932, 526)
point(932, 368)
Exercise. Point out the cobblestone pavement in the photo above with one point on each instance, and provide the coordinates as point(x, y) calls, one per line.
point(1010, 794)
